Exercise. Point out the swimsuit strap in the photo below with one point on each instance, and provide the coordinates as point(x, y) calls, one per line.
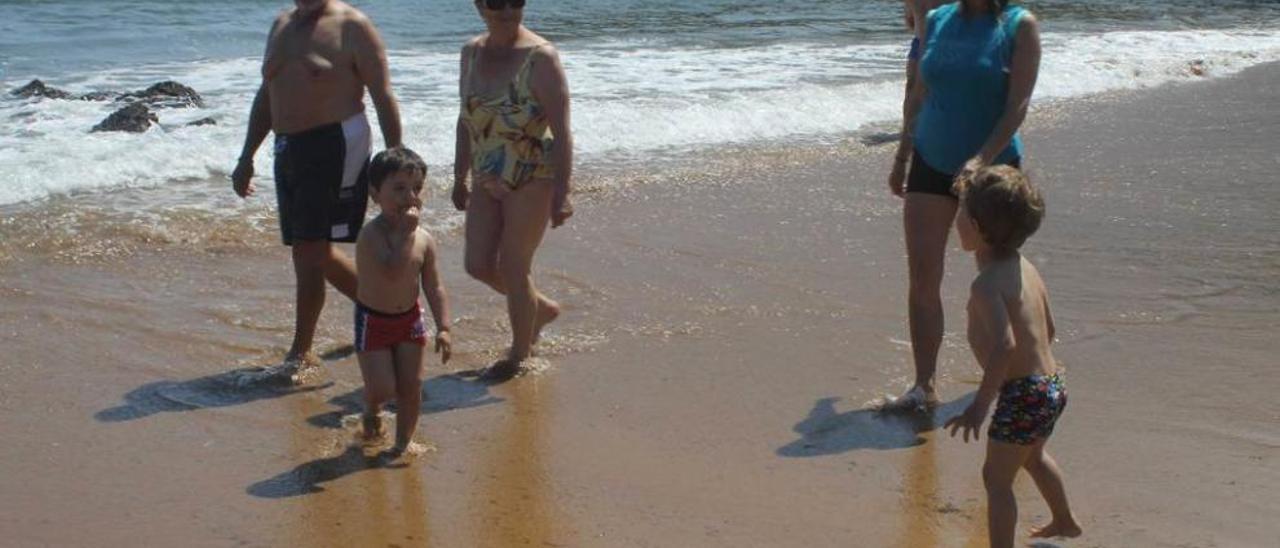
point(471, 68)
point(522, 75)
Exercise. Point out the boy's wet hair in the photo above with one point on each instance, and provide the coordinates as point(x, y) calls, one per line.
point(392, 160)
point(1003, 204)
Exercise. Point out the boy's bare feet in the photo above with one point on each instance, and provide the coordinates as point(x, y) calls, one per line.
point(918, 399)
point(411, 449)
point(547, 313)
point(1070, 529)
point(372, 425)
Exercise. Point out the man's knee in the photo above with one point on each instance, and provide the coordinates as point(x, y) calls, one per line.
point(311, 255)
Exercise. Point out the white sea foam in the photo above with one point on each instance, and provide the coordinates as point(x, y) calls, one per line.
point(630, 100)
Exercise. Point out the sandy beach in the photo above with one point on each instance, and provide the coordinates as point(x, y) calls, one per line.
point(708, 384)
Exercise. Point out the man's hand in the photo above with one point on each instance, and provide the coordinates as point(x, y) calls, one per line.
point(444, 345)
point(561, 207)
point(970, 421)
point(242, 178)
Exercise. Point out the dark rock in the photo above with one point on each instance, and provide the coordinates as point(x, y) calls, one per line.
point(99, 96)
point(134, 118)
point(36, 88)
point(880, 138)
point(203, 122)
point(166, 94)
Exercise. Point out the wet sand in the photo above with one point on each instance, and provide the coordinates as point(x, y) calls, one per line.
point(724, 330)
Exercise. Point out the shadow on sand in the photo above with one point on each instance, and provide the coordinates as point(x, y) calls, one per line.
point(440, 393)
point(235, 387)
point(306, 478)
point(825, 432)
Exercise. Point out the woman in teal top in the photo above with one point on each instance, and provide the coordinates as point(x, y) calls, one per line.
point(976, 74)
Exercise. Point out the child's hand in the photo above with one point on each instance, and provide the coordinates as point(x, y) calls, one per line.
point(444, 346)
point(412, 217)
point(970, 421)
point(971, 168)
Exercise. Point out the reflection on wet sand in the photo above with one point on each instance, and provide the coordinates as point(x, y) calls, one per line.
point(386, 506)
point(920, 523)
point(923, 513)
point(513, 506)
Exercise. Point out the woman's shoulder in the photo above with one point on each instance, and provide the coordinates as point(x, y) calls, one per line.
point(1019, 19)
point(943, 10)
point(474, 42)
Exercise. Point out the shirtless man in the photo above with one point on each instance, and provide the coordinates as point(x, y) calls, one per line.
point(320, 58)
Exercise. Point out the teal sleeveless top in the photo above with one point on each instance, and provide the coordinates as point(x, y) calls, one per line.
point(965, 69)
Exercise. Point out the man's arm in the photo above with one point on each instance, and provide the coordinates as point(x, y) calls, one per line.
point(259, 126)
point(371, 66)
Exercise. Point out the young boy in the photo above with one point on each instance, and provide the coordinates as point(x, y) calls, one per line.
point(394, 256)
point(1010, 328)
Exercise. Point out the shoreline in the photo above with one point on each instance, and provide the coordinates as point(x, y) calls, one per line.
point(724, 328)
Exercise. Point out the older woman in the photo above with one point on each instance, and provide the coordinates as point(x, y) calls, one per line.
point(515, 143)
point(977, 69)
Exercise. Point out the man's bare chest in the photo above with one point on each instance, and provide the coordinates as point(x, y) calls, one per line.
point(316, 52)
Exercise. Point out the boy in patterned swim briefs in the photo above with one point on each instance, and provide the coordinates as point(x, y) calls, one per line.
point(1010, 329)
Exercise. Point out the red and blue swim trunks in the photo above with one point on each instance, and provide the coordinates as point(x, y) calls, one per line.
point(379, 330)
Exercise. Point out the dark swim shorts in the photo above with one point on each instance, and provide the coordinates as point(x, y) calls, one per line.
point(923, 178)
point(1028, 409)
point(321, 186)
point(915, 49)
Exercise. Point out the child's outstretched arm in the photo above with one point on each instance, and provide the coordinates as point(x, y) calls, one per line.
point(986, 306)
point(437, 300)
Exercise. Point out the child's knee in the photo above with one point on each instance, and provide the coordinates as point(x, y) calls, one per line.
point(408, 393)
point(997, 478)
point(377, 394)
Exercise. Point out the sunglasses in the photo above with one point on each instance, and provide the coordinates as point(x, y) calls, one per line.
point(495, 5)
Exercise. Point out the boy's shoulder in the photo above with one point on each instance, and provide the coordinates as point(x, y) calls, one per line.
point(997, 279)
point(428, 243)
point(370, 230)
